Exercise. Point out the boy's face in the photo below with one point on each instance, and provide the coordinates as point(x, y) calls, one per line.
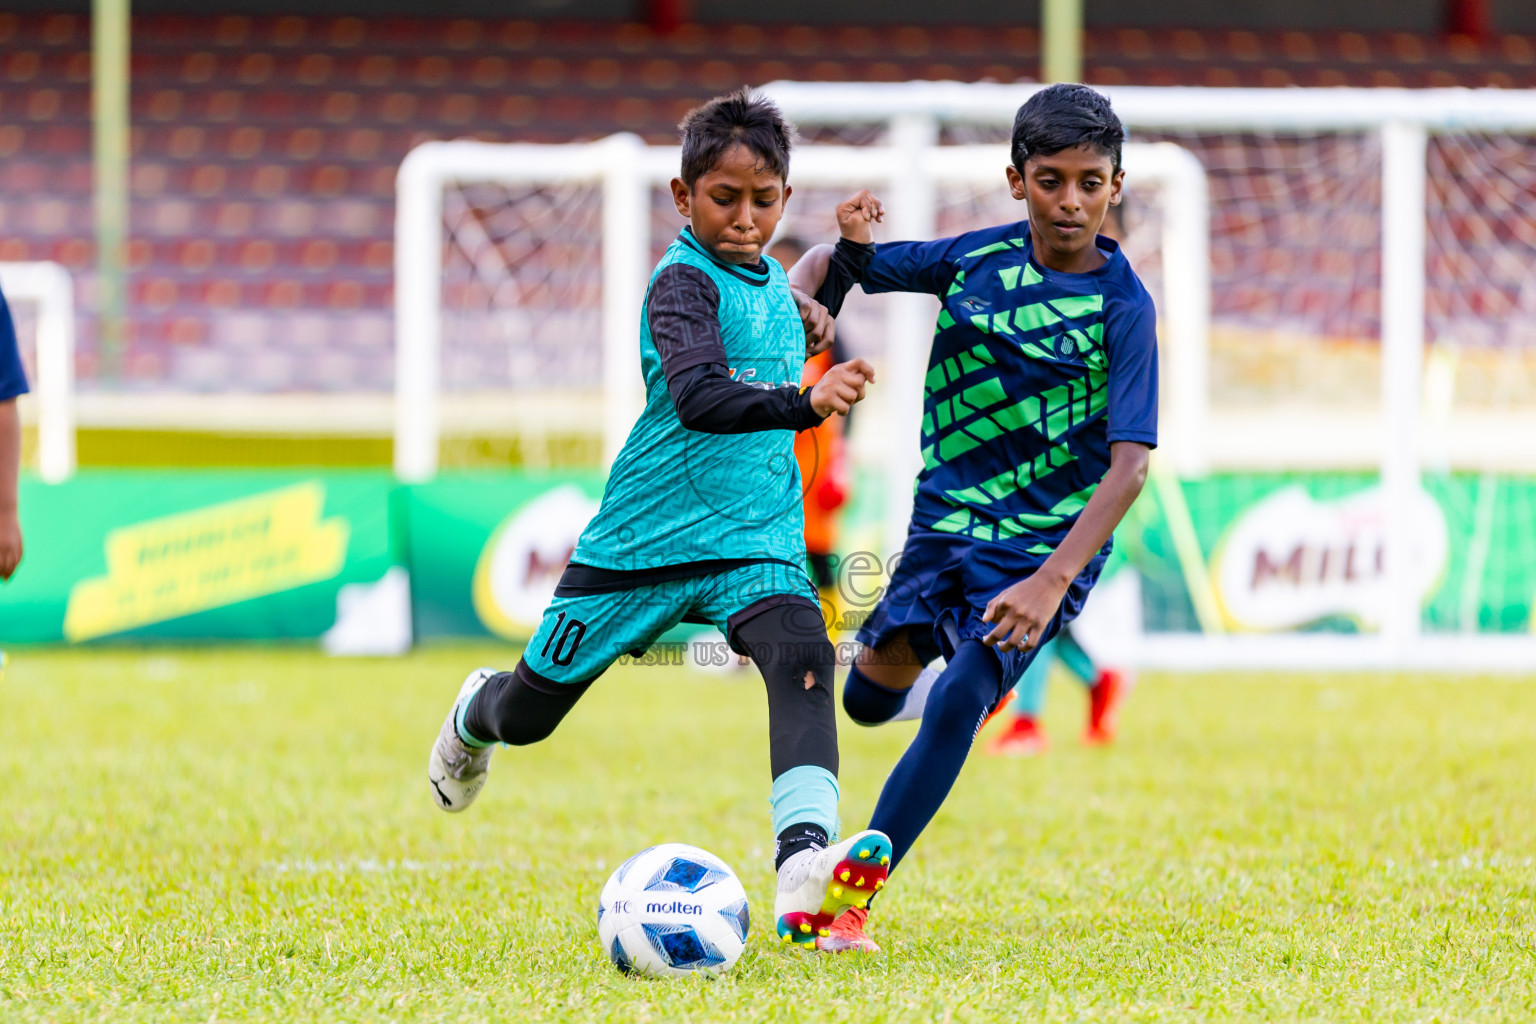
point(1068, 193)
point(734, 207)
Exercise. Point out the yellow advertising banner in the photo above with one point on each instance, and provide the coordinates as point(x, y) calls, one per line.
point(207, 558)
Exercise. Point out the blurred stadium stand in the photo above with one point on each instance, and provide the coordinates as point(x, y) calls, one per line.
point(265, 148)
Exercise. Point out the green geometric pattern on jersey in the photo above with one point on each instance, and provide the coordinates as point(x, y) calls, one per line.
point(676, 495)
point(967, 404)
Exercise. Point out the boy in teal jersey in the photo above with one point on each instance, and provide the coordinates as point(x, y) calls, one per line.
point(701, 518)
point(1040, 410)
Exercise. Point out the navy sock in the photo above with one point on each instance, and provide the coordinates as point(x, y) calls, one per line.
point(961, 699)
point(867, 702)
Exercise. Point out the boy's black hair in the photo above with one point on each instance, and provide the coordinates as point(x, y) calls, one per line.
point(740, 118)
point(1061, 116)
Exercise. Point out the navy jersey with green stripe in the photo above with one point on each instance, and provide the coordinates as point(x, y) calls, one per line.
point(1033, 374)
point(676, 495)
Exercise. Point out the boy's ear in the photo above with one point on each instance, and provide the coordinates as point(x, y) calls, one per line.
point(682, 198)
point(1116, 184)
point(1016, 183)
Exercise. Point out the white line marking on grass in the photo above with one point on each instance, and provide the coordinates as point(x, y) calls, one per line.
point(370, 866)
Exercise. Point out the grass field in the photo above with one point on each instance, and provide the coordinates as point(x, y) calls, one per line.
point(246, 835)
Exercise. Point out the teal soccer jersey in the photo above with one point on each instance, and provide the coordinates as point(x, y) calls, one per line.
point(1033, 374)
point(677, 496)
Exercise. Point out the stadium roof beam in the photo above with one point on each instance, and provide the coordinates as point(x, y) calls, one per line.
point(1182, 108)
point(1061, 41)
point(109, 121)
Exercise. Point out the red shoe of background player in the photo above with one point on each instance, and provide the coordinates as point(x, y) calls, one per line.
point(1023, 738)
point(1104, 698)
point(847, 934)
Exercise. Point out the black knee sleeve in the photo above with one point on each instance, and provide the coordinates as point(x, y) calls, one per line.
point(788, 642)
point(521, 706)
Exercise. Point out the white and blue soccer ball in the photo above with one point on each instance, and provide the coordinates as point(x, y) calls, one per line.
point(673, 910)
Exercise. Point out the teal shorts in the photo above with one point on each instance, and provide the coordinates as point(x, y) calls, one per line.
point(580, 636)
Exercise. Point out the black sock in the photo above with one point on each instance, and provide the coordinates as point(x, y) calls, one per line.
point(520, 707)
point(800, 836)
point(869, 703)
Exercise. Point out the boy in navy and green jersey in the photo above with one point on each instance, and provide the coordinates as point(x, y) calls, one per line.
point(1039, 410)
point(701, 520)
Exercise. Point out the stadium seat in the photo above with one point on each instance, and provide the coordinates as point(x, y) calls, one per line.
point(254, 137)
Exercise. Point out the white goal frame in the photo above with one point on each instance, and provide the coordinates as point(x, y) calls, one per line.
point(627, 169)
point(908, 166)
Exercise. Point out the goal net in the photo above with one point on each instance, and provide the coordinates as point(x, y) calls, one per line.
point(1347, 318)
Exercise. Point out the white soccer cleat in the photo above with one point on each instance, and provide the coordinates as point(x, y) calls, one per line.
point(456, 770)
point(815, 886)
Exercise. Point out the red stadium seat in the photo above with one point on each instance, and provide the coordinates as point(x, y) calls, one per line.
point(248, 131)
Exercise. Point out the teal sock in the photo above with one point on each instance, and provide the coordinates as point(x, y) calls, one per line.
point(806, 794)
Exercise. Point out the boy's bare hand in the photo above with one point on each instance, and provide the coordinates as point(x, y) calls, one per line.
point(1022, 613)
point(841, 387)
point(10, 544)
point(820, 328)
point(857, 216)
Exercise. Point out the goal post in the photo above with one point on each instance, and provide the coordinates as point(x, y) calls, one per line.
point(47, 287)
point(1403, 122)
point(626, 170)
point(1288, 237)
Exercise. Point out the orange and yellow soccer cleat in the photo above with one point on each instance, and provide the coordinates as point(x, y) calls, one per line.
point(847, 934)
point(1104, 699)
point(1024, 737)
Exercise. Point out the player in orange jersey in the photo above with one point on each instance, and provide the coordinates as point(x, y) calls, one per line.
point(824, 473)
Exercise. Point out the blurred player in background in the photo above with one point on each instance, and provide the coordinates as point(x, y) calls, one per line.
point(1024, 736)
point(13, 384)
point(822, 454)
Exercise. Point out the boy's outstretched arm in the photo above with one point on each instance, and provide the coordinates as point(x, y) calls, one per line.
point(810, 271)
point(1023, 610)
point(10, 467)
point(828, 273)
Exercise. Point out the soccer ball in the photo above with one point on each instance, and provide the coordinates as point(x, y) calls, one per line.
point(673, 910)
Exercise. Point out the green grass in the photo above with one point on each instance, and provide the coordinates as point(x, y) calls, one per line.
point(246, 835)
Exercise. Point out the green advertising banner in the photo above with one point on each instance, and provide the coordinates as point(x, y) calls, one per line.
point(195, 555)
point(365, 564)
point(1282, 551)
point(486, 550)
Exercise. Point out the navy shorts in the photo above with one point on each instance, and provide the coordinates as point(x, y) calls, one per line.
point(941, 587)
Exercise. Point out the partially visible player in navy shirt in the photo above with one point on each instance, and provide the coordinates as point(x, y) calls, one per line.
point(13, 382)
